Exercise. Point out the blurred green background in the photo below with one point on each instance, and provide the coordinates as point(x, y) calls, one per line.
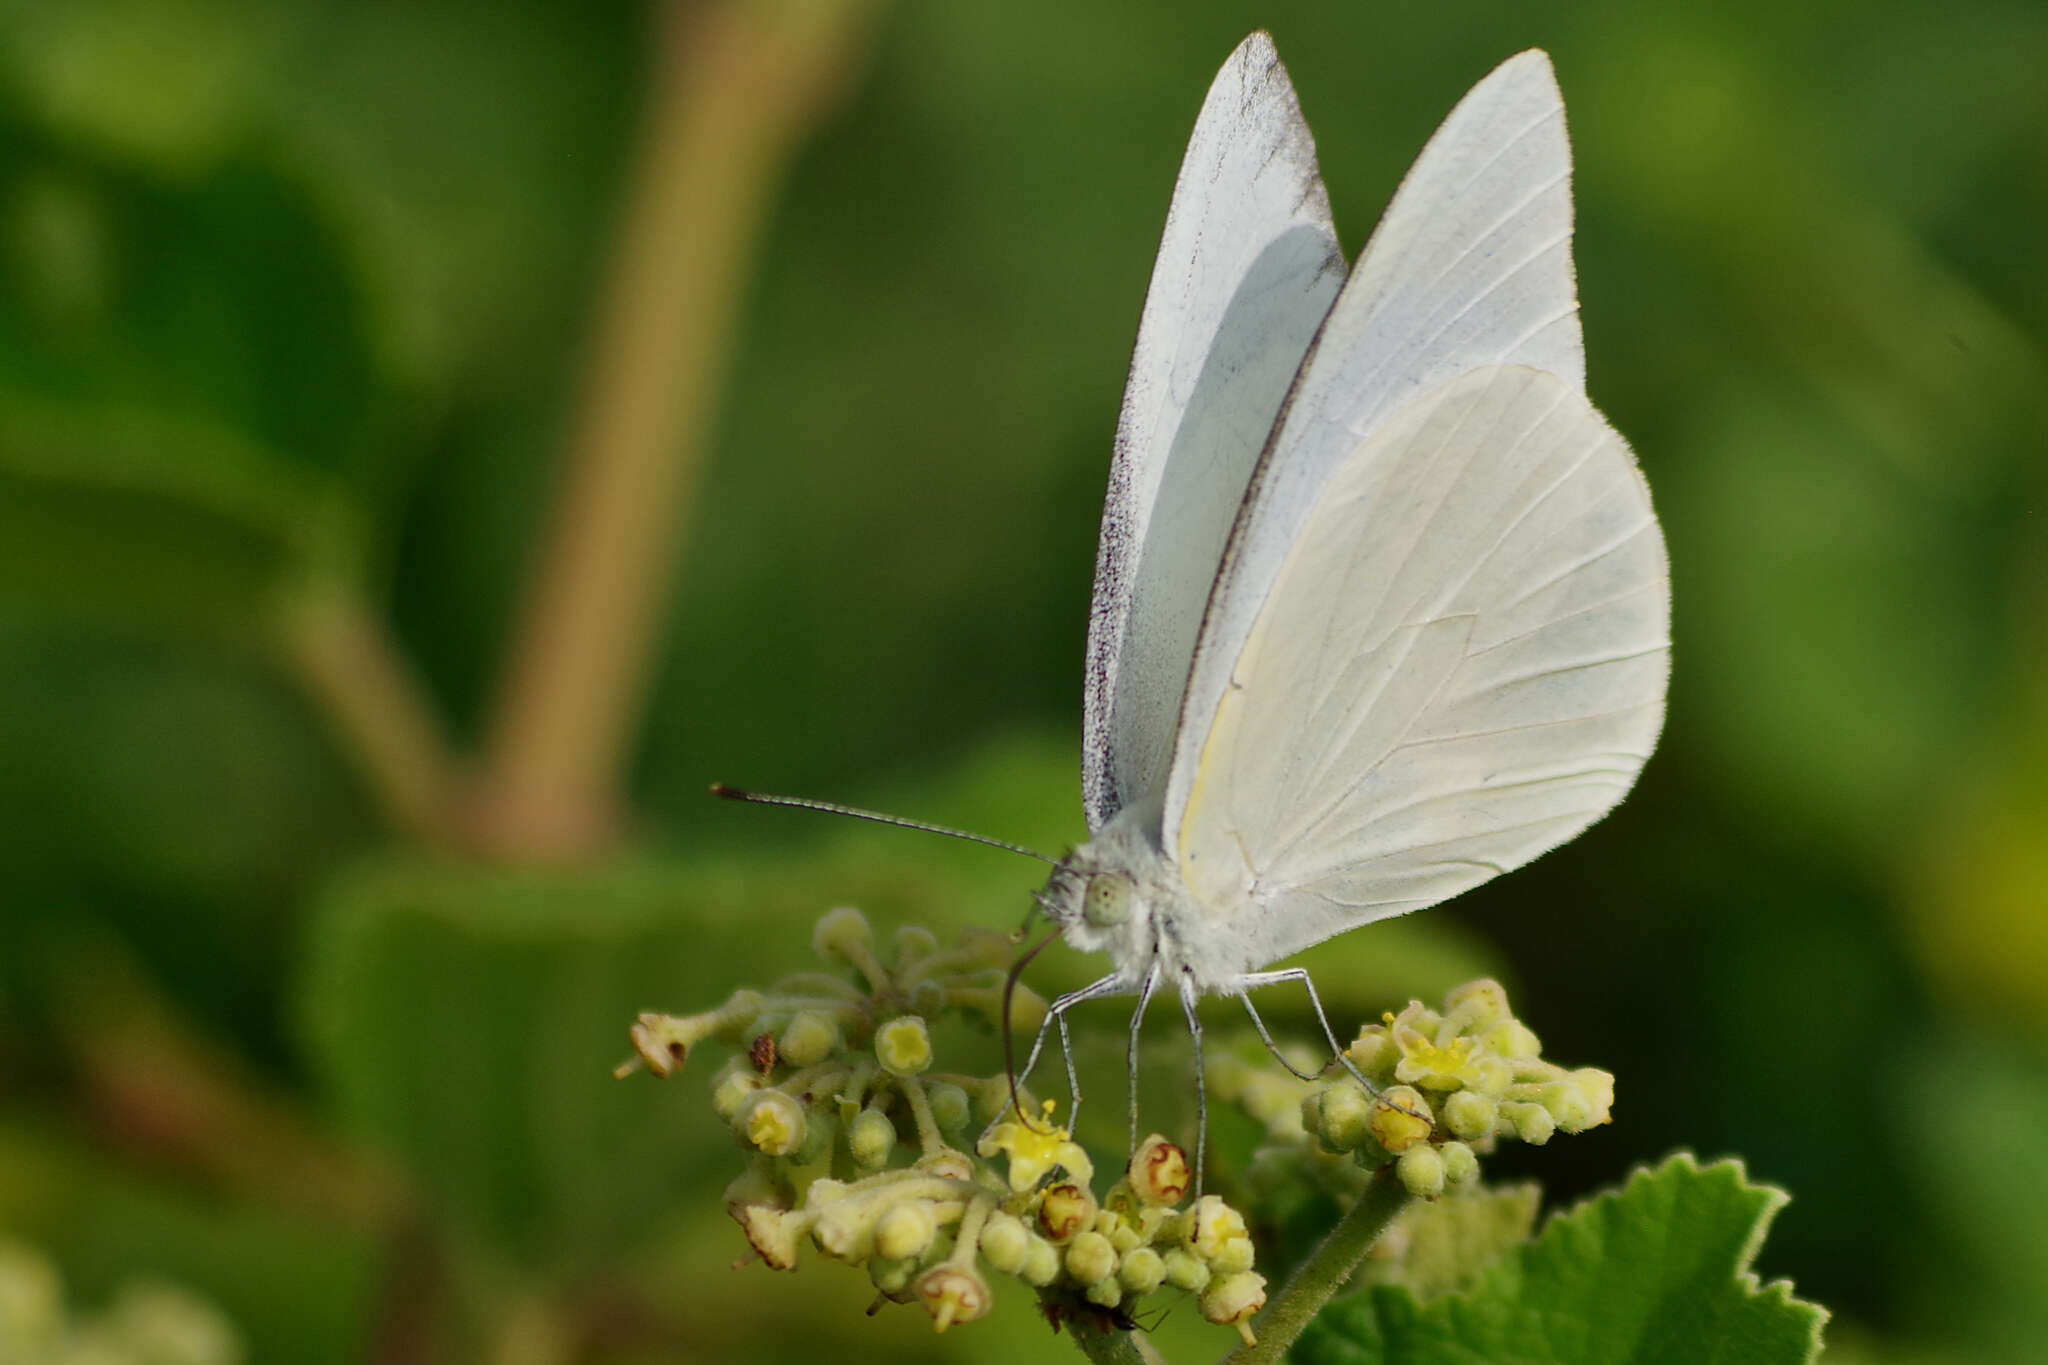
point(322, 917)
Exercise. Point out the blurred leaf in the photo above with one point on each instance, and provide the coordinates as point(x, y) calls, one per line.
point(1657, 1271)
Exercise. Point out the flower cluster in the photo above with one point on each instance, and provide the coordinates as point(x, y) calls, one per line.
point(148, 1321)
point(1452, 1084)
point(858, 1146)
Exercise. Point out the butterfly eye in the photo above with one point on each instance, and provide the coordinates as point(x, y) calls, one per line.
point(1108, 900)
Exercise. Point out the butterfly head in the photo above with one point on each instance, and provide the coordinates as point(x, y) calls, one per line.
point(1103, 895)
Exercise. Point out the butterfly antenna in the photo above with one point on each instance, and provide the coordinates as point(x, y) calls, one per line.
point(719, 789)
point(1009, 1053)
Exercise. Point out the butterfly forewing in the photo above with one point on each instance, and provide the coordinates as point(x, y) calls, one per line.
point(1461, 663)
point(1247, 269)
point(1470, 266)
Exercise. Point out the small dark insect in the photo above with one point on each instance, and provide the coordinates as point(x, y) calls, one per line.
point(762, 1053)
point(1102, 1320)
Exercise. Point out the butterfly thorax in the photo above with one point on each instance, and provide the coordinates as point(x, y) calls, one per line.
point(1120, 894)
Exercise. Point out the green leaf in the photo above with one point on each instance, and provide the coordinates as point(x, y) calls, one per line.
point(1657, 1272)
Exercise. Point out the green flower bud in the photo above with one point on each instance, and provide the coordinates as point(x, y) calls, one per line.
point(1121, 1235)
point(843, 934)
point(1489, 1075)
point(928, 997)
point(1233, 1256)
point(1090, 1258)
point(811, 1037)
point(1532, 1122)
point(951, 1109)
point(914, 941)
point(1141, 1271)
point(947, 1164)
point(1185, 1270)
point(1159, 1172)
point(1005, 1242)
point(1041, 1263)
point(733, 1087)
point(903, 1045)
point(892, 1278)
point(1477, 1005)
point(1211, 1224)
point(871, 1138)
point(1104, 1293)
point(772, 1122)
point(1232, 1300)
point(1461, 1164)
point(1592, 1092)
point(1422, 1170)
point(1513, 1038)
point(1400, 1118)
point(905, 1230)
point(952, 1293)
point(1375, 1054)
point(1343, 1119)
point(1470, 1114)
point(845, 1228)
point(1064, 1211)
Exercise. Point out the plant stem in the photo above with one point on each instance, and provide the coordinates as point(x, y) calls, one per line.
point(1326, 1271)
point(736, 83)
point(1113, 1346)
point(379, 710)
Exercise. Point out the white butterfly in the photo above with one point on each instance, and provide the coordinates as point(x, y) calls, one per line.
point(1381, 608)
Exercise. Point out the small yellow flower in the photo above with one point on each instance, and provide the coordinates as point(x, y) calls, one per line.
point(1034, 1150)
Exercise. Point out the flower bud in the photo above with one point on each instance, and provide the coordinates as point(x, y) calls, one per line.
point(1185, 1270)
point(1090, 1258)
point(1592, 1092)
point(1375, 1054)
point(1344, 1118)
point(1477, 1005)
point(947, 1164)
point(1041, 1263)
point(1488, 1075)
point(951, 1109)
point(1232, 1300)
point(1211, 1224)
point(1064, 1210)
point(1104, 1293)
point(663, 1041)
point(843, 934)
point(1159, 1172)
point(1512, 1038)
point(905, 1230)
point(870, 1139)
point(1532, 1122)
point(1233, 1256)
point(733, 1088)
point(1004, 1242)
point(845, 1229)
point(952, 1293)
point(903, 1045)
point(1470, 1114)
point(810, 1038)
point(928, 997)
point(772, 1122)
point(1421, 1169)
point(892, 1278)
point(1141, 1271)
point(913, 942)
point(1461, 1164)
point(1400, 1118)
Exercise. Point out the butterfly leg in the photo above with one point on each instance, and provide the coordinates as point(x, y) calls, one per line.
point(1116, 983)
point(1137, 1020)
point(1253, 980)
point(1190, 994)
